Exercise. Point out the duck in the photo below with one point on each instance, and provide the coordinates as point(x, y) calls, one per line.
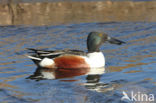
point(74, 59)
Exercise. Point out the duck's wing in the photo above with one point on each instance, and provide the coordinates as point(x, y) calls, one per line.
point(44, 53)
point(52, 54)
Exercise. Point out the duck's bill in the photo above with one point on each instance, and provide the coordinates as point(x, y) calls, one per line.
point(115, 41)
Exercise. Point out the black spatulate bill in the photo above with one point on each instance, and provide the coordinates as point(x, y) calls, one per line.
point(115, 41)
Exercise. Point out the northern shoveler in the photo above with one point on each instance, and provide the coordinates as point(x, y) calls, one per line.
point(94, 58)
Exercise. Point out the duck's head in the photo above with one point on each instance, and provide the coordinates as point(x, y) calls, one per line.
point(95, 39)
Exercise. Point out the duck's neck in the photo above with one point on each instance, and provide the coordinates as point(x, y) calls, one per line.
point(93, 49)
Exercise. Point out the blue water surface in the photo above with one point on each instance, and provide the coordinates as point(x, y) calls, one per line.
point(129, 67)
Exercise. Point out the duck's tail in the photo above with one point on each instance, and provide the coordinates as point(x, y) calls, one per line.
point(41, 62)
point(33, 58)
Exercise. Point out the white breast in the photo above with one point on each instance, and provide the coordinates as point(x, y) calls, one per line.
point(95, 59)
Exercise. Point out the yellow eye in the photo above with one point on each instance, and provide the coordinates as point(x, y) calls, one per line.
point(100, 34)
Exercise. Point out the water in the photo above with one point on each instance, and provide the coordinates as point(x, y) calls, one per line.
point(129, 67)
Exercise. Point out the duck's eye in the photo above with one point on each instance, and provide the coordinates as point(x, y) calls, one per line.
point(100, 34)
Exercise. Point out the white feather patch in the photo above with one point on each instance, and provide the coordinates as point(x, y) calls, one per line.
point(46, 62)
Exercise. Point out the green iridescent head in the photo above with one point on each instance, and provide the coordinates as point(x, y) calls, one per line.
point(95, 39)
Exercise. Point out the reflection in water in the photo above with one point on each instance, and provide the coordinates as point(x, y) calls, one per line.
point(93, 83)
point(92, 79)
point(60, 73)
